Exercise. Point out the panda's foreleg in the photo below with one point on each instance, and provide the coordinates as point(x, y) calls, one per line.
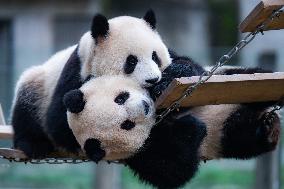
point(28, 132)
point(249, 132)
point(56, 119)
point(170, 156)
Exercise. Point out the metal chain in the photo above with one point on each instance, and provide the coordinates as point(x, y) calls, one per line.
point(202, 79)
point(47, 160)
point(222, 61)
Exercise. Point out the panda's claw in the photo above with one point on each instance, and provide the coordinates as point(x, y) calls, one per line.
point(271, 128)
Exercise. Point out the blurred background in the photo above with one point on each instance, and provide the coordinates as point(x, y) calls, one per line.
point(32, 30)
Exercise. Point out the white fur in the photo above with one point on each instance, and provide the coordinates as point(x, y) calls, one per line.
point(102, 117)
point(214, 117)
point(127, 35)
point(43, 78)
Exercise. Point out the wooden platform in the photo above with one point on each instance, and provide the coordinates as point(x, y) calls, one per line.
point(18, 154)
point(226, 89)
point(260, 13)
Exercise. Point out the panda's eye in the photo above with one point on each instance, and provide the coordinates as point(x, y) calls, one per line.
point(121, 98)
point(156, 59)
point(127, 125)
point(130, 64)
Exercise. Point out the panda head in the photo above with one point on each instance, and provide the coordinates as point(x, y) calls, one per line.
point(114, 110)
point(124, 46)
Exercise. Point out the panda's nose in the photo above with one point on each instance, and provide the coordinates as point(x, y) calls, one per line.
point(153, 81)
point(146, 107)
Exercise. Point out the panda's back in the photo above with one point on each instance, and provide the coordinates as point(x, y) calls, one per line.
point(40, 82)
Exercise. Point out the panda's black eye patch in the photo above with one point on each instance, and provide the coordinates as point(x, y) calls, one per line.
point(156, 59)
point(127, 125)
point(121, 98)
point(130, 64)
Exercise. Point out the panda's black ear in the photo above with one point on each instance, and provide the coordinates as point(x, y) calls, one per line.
point(150, 18)
point(100, 26)
point(74, 101)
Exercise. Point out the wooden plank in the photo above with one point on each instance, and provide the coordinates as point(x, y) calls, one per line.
point(2, 118)
point(226, 89)
point(260, 13)
point(6, 132)
point(14, 153)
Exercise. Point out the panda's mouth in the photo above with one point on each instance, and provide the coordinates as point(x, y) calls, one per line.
point(146, 107)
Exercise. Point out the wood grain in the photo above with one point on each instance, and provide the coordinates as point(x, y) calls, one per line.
point(226, 89)
point(260, 13)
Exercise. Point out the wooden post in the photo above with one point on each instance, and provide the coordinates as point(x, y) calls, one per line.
point(108, 176)
point(2, 118)
point(268, 170)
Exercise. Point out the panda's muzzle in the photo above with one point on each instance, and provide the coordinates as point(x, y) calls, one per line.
point(146, 107)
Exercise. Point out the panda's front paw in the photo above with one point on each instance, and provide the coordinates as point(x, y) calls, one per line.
point(93, 150)
point(269, 129)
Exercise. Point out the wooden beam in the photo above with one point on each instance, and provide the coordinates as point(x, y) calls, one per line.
point(6, 132)
point(260, 13)
point(226, 89)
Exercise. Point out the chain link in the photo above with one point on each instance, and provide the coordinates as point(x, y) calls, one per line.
point(47, 160)
point(222, 61)
point(202, 79)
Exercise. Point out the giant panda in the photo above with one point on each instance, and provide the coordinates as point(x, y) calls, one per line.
point(120, 46)
point(112, 119)
point(110, 116)
point(240, 131)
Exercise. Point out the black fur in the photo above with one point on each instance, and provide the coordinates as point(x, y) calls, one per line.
point(93, 150)
point(248, 134)
point(170, 155)
point(100, 26)
point(156, 58)
point(28, 132)
point(56, 121)
point(232, 71)
point(180, 67)
point(150, 18)
point(74, 101)
point(121, 98)
point(130, 64)
point(127, 125)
